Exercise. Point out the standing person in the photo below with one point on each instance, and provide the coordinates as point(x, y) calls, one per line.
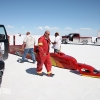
point(43, 55)
point(28, 43)
point(57, 43)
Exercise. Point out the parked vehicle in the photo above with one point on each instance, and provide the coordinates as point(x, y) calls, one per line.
point(75, 38)
point(4, 48)
point(97, 40)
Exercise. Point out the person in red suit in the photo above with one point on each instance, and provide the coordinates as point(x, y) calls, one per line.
point(43, 55)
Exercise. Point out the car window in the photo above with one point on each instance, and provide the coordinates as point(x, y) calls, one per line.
point(96, 71)
point(85, 70)
point(2, 33)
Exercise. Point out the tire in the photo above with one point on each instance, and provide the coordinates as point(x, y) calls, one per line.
point(16, 53)
point(85, 42)
point(2, 67)
point(64, 42)
point(1, 76)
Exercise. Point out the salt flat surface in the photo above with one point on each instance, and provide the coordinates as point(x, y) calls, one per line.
point(20, 81)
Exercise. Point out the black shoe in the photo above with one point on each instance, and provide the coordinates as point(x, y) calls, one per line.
point(21, 61)
point(40, 74)
point(34, 62)
point(50, 75)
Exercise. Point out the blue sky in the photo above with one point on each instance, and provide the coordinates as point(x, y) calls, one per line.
point(63, 16)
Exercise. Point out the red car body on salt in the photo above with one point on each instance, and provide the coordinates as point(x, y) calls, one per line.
point(61, 60)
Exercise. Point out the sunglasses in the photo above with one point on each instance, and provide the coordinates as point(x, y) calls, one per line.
point(48, 34)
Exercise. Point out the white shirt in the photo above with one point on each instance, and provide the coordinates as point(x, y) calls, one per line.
point(58, 42)
point(30, 41)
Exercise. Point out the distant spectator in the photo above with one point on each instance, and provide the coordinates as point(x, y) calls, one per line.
point(19, 34)
point(57, 43)
point(28, 43)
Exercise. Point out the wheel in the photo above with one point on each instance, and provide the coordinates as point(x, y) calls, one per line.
point(85, 42)
point(2, 67)
point(1, 75)
point(64, 42)
point(17, 53)
point(19, 60)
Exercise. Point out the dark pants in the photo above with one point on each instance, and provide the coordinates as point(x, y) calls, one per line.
point(56, 50)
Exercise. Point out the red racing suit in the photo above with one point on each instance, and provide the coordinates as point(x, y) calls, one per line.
point(43, 55)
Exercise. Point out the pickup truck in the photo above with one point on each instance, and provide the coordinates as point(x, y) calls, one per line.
point(4, 48)
point(75, 38)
